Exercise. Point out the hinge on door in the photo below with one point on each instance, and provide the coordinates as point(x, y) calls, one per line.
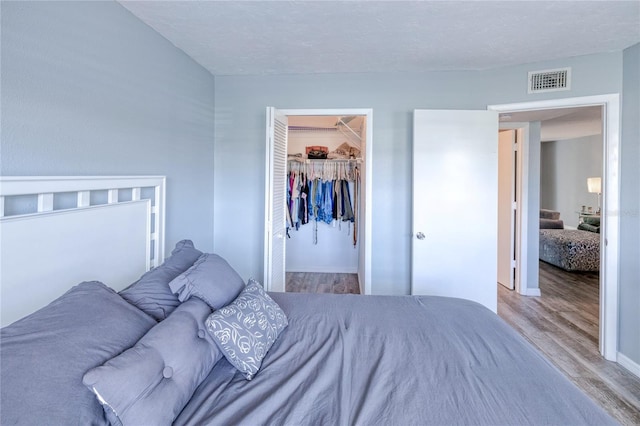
point(515, 146)
point(514, 205)
point(513, 263)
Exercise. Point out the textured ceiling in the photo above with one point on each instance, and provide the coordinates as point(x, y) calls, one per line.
point(285, 37)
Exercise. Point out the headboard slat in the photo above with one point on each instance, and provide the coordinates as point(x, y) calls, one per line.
point(84, 198)
point(45, 202)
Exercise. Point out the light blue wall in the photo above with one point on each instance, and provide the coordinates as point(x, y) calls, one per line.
point(240, 144)
point(87, 89)
point(630, 207)
point(564, 168)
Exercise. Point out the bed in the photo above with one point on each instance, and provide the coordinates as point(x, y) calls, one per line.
point(189, 342)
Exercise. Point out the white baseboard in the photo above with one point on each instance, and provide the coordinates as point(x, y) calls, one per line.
point(629, 364)
point(531, 292)
point(332, 270)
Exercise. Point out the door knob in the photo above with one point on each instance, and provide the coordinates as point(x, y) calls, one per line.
point(420, 236)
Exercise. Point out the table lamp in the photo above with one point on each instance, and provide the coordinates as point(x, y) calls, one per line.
point(594, 185)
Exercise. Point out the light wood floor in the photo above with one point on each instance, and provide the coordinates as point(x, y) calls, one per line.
point(563, 325)
point(305, 282)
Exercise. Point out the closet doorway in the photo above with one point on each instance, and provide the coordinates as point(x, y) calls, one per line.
point(312, 236)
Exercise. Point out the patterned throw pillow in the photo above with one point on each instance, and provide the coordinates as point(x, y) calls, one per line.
point(245, 329)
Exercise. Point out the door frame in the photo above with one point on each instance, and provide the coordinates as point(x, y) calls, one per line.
point(367, 187)
point(610, 226)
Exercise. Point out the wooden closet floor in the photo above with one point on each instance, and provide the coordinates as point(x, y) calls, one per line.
point(308, 282)
point(563, 325)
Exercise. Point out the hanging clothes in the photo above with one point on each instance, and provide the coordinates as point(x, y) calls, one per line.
point(337, 192)
point(356, 197)
point(346, 202)
point(293, 200)
point(318, 212)
point(327, 202)
point(320, 192)
point(310, 198)
point(289, 201)
point(303, 212)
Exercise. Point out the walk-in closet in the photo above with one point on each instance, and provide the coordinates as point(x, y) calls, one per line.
point(324, 184)
point(317, 205)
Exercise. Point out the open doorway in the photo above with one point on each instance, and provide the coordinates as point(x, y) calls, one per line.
point(324, 158)
point(570, 248)
point(319, 175)
point(609, 107)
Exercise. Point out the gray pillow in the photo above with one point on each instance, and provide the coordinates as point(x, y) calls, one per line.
point(45, 354)
point(246, 329)
point(551, 224)
point(549, 214)
point(595, 221)
point(589, 227)
point(211, 279)
point(151, 383)
point(151, 293)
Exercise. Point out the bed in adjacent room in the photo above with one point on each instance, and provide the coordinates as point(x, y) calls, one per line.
point(190, 342)
point(570, 249)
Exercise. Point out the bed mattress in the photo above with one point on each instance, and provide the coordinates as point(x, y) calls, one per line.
point(366, 360)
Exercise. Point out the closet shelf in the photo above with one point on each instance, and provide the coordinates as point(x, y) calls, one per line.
point(324, 160)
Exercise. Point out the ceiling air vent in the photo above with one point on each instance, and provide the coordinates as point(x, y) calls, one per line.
point(549, 80)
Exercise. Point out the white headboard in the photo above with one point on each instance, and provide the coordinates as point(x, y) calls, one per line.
point(56, 232)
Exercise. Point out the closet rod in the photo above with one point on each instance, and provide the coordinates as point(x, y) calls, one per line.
point(311, 129)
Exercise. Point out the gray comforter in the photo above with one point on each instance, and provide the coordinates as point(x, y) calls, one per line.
point(369, 360)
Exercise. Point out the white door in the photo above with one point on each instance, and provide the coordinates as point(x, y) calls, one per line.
point(455, 186)
point(506, 207)
point(275, 201)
